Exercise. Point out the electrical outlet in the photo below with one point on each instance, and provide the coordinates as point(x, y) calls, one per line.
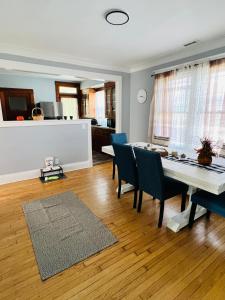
point(56, 161)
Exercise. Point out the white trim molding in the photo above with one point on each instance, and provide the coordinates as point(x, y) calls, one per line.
point(43, 123)
point(32, 174)
point(176, 54)
point(59, 57)
point(181, 53)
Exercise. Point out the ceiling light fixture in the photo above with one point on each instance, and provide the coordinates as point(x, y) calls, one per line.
point(117, 17)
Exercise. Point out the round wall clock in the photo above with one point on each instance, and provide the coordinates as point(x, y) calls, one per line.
point(141, 96)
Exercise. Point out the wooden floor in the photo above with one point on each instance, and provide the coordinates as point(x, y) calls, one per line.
point(146, 263)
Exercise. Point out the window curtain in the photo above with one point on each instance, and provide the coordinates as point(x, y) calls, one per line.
point(91, 103)
point(214, 116)
point(160, 113)
point(189, 104)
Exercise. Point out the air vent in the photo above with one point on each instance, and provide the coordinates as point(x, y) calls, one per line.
point(189, 44)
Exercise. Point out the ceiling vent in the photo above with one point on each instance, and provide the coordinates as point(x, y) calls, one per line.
point(189, 44)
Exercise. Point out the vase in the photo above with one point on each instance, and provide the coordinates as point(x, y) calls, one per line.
point(204, 160)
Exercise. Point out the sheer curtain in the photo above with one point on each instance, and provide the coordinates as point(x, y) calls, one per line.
point(161, 104)
point(189, 104)
point(214, 115)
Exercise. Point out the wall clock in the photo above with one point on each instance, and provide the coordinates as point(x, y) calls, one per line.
point(141, 96)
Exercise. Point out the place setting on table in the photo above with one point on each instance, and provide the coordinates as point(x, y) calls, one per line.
point(204, 160)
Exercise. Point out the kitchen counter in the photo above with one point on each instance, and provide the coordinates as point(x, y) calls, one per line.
point(103, 127)
point(101, 136)
point(43, 123)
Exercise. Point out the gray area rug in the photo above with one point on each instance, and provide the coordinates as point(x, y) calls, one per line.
point(64, 232)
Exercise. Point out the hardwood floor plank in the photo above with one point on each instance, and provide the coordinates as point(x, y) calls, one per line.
point(147, 262)
point(200, 285)
point(217, 291)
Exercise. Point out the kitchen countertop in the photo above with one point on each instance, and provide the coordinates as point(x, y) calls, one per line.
point(103, 127)
point(43, 123)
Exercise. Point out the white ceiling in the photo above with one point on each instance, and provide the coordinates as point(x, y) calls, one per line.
point(59, 77)
point(75, 30)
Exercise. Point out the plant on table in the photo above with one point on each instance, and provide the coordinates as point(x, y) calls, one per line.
point(205, 153)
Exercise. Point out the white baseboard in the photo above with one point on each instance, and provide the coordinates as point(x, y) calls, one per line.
point(19, 176)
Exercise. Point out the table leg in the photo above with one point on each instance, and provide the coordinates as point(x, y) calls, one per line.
point(126, 187)
point(179, 221)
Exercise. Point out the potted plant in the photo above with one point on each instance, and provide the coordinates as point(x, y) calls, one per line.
point(205, 153)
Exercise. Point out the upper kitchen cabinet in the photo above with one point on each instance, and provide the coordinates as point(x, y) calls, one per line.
point(16, 102)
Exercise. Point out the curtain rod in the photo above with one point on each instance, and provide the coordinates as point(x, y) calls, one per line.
point(176, 69)
point(188, 64)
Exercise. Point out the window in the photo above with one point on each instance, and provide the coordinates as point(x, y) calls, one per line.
point(189, 104)
point(95, 105)
point(67, 90)
point(100, 108)
point(88, 103)
point(68, 93)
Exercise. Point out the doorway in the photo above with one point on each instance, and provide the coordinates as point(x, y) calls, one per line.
point(99, 104)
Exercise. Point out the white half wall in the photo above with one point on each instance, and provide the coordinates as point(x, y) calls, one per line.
point(24, 147)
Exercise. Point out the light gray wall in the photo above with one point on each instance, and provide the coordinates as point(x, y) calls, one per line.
point(25, 148)
point(44, 88)
point(125, 81)
point(139, 113)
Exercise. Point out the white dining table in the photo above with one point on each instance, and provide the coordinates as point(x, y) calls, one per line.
point(194, 177)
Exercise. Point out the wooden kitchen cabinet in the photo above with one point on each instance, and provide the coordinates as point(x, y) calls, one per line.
point(101, 136)
point(110, 100)
point(16, 102)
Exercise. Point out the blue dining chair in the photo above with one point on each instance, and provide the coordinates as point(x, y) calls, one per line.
point(153, 181)
point(127, 169)
point(213, 203)
point(118, 138)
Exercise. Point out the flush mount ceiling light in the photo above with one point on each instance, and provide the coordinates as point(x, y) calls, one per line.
point(117, 17)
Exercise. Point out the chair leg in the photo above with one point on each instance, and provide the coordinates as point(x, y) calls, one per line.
point(192, 215)
point(208, 213)
point(114, 170)
point(183, 201)
point(140, 201)
point(135, 197)
point(119, 188)
point(161, 213)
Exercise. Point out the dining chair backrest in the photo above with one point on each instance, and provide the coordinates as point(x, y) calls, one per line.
point(126, 164)
point(119, 138)
point(150, 172)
